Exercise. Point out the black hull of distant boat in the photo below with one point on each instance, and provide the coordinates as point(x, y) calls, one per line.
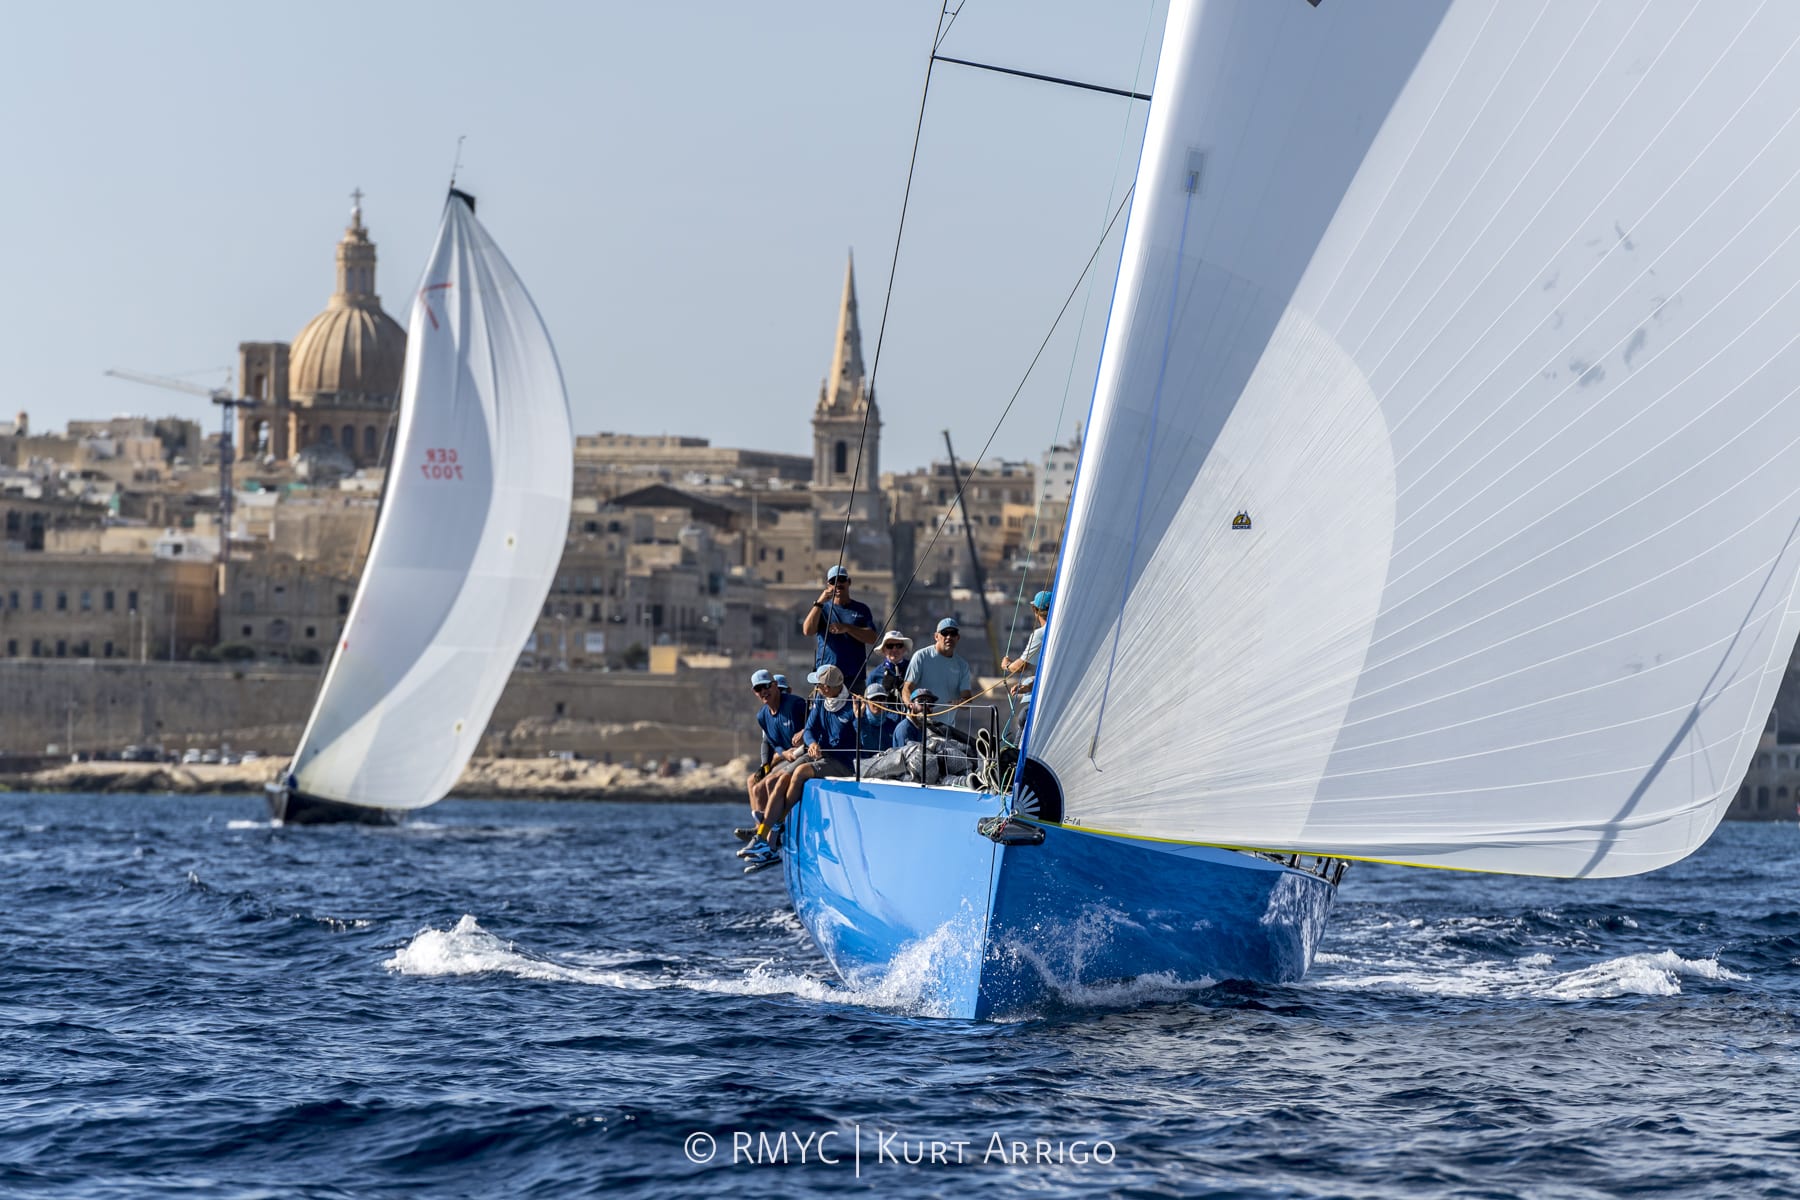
point(297, 808)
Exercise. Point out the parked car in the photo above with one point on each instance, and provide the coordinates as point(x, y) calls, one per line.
point(209, 756)
point(191, 756)
point(250, 756)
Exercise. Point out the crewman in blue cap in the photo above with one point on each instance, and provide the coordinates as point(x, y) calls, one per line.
point(1021, 672)
point(845, 629)
point(937, 669)
point(781, 718)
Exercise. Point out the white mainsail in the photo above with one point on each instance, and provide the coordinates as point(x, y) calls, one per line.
point(471, 530)
point(1487, 317)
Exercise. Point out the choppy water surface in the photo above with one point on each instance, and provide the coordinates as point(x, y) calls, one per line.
point(557, 1000)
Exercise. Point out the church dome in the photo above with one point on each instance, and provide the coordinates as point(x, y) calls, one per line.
point(353, 352)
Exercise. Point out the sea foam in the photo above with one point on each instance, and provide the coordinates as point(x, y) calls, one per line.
point(468, 949)
point(1533, 976)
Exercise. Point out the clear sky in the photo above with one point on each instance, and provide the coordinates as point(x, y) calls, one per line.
point(677, 183)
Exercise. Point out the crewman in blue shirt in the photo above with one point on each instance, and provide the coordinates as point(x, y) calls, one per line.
point(830, 749)
point(780, 717)
point(875, 727)
point(844, 627)
point(911, 729)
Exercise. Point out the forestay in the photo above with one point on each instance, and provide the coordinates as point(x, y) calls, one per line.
point(471, 529)
point(1484, 316)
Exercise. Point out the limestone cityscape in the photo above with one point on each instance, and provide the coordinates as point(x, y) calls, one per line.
point(139, 611)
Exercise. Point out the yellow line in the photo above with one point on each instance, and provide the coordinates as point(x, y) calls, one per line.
point(1143, 837)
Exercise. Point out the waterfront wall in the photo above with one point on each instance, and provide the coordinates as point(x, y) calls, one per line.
point(99, 705)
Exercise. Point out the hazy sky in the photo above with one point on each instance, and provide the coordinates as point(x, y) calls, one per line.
point(677, 183)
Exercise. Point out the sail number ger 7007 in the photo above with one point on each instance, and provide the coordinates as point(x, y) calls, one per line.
point(441, 464)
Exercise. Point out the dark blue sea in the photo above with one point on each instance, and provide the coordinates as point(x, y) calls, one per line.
point(572, 999)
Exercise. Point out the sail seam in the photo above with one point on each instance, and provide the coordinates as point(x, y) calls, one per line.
point(1674, 241)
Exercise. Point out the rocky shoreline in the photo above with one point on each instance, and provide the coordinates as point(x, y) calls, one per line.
point(485, 778)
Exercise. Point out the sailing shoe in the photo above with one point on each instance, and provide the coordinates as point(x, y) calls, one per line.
point(756, 862)
point(744, 835)
point(755, 847)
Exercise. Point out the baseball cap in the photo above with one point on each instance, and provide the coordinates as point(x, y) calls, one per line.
point(761, 678)
point(827, 676)
point(836, 573)
point(782, 683)
point(1041, 602)
point(877, 689)
point(947, 624)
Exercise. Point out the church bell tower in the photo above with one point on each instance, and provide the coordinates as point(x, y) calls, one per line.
point(846, 417)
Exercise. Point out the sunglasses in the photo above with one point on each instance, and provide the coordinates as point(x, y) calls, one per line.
point(760, 688)
point(840, 581)
point(951, 634)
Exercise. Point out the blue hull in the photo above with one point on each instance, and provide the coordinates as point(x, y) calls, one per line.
point(893, 878)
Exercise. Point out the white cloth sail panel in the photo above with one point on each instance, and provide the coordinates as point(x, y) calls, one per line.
point(1487, 319)
point(472, 527)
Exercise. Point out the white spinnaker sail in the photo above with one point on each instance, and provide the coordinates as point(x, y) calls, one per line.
point(1487, 315)
point(471, 530)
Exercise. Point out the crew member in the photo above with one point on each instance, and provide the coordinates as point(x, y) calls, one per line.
point(938, 669)
point(830, 749)
point(845, 628)
point(780, 718)
point(890, 668)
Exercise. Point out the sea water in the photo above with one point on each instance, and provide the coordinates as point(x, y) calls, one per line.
point(578, 999)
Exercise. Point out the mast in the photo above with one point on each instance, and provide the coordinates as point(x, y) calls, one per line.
point(987, 615)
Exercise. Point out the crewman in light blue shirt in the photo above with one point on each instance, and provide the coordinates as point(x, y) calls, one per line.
point(938, 669)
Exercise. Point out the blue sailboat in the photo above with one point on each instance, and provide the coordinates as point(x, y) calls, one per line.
point(893, 876)
point(1434, 508)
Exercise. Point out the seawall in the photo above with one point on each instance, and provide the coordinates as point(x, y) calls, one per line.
point(102, 706)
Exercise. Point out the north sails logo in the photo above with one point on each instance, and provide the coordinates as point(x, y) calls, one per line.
point(1241, 521)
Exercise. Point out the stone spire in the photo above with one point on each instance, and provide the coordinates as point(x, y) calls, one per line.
point(355, 263)
point(843, 387)
point(847, 424)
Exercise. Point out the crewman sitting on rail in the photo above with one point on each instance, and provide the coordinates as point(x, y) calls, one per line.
point(780, 718)
point(830, 749)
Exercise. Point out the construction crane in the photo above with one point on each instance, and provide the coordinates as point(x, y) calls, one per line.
point(226, 402)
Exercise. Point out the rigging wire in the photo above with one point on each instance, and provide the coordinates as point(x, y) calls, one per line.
point(900, 593)
point(862, 438)
point(1037, 516)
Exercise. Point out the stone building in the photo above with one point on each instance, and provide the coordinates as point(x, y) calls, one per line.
point(335, 390)
point(285, 610)
point(930, 538)
point(656, 567)
point(105, 606)
point(609, 464)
